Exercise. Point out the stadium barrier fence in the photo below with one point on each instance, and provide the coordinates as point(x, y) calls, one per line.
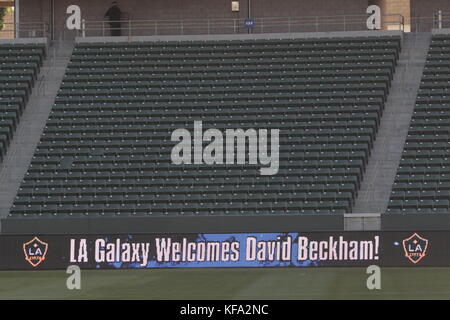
point(237, 26)
point(25, 29)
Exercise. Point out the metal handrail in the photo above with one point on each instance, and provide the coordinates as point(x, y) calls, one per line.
point(359, 16)
point(425, 24)
point(230, 26)
point(27, 29)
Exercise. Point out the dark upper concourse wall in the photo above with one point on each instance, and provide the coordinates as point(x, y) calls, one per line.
point(422, 12)
point(426, 8)
point(93, 10)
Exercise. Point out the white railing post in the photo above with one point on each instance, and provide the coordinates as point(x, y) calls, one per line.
point(440, 19)
point(16, 18)
point(83, 28)
point(103, 28)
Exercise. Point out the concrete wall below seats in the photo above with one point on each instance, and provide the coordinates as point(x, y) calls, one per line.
point(221, 224)
point(218, 224)
point(190, 224)
point(412, 222)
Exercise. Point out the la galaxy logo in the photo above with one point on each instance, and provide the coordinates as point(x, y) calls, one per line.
point(415, 247)
point(35, 251)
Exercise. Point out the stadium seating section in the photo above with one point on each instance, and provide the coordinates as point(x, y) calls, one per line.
point(107, 143)
point(422, 184)
point(19, 66)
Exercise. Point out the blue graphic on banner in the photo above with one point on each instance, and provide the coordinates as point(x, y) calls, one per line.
point(252, 251)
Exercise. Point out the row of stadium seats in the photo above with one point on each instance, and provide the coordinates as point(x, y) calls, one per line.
point(422, 184)
point(106, 147)
point(249, 44)
point(19, 67)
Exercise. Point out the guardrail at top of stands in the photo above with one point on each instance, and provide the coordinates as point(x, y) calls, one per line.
point(236, 26)
point(439, 20)
point(24, 29)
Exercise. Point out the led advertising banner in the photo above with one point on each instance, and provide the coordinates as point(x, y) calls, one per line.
point(304, 249)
